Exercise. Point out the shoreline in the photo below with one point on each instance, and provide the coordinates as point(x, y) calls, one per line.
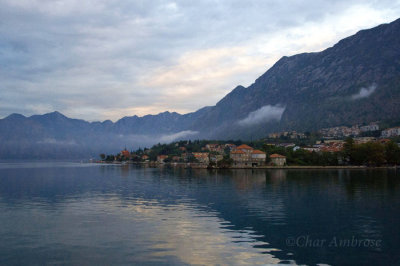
point(203, 166)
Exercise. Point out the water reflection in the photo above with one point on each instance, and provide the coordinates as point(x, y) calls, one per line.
point(113, 214)
point(125, 216)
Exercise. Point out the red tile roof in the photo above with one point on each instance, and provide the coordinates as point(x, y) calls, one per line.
point(275, 155)
point(258, 152)
point(244, 146)
point(238, 152)
point(200, 154)
point(125, 153)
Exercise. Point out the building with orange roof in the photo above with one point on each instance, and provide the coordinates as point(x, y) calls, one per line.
point(182, 148)
point(239, 156)
point(258, 157)
point(384, 141)
point(245, 155)
point(213, 147)
point(176, 158)
point(277, 159)
point(161, 158)
point(244, 148)
point(125, 153)
point(202, 157)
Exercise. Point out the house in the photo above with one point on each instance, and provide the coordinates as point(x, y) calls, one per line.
point(242, 154)
point(145, 157)
point(239, 157)
point(215, 148)
point(245, 148)
point(341, 131)
point(161, 158)
point(384, 141)
point(277, 159)
point(125, 153)
point(286, 145)
point(331, 141)
point(258, 157)
point(246, 156)
point(312, 149)
point(364, 140)
point(370, 127)
point(202, 157)
point(391, 132)
point(332, 148)
point(182, 149)
point(216, 158)
point(176, 158)
point(186, 156)
point(273, 135)
point(230, 146)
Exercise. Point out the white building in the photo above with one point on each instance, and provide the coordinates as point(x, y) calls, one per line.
point(391, 132)
point(370, 127)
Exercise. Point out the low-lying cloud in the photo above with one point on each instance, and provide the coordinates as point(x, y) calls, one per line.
point(264, 114)
point(148, 140)
point(177, 136)
point(364, 92)
point(53, 141)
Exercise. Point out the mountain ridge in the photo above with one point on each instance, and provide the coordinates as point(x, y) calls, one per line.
point(357, 80)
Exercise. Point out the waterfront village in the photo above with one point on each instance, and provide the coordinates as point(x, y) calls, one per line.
point(355, 146)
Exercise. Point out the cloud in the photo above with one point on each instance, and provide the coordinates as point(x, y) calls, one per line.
point(102, 59)
point(364, 92)
point(53, 141)
point(264, 114)
point(177, 136)
point(135, 140)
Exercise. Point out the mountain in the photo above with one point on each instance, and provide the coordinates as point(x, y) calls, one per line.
point(355, 81)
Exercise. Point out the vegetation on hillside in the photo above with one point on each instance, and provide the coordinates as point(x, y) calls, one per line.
point(369, 154)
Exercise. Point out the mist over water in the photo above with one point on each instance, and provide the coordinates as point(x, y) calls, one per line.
point(71, 213)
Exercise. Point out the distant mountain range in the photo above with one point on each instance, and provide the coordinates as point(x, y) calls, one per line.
point(355, 81)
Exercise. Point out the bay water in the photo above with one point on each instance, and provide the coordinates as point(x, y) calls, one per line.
point(94, 214)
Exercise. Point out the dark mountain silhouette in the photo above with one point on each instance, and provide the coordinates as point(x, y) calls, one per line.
point(355, 81)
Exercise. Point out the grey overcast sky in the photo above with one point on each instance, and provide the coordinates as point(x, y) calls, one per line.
point(106, 59)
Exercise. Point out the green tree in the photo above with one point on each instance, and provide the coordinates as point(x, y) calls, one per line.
point(349, 150)
point(376, 156)
point(167, 160)
point(110, 158)
point(226, 162)
point(392, 153)
point(370, 153)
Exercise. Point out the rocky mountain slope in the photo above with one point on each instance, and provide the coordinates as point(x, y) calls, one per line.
point(355, 81)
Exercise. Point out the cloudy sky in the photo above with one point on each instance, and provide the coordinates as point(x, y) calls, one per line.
point(105, 59)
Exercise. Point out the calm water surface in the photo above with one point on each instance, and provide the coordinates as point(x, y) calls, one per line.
point(87, 214)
